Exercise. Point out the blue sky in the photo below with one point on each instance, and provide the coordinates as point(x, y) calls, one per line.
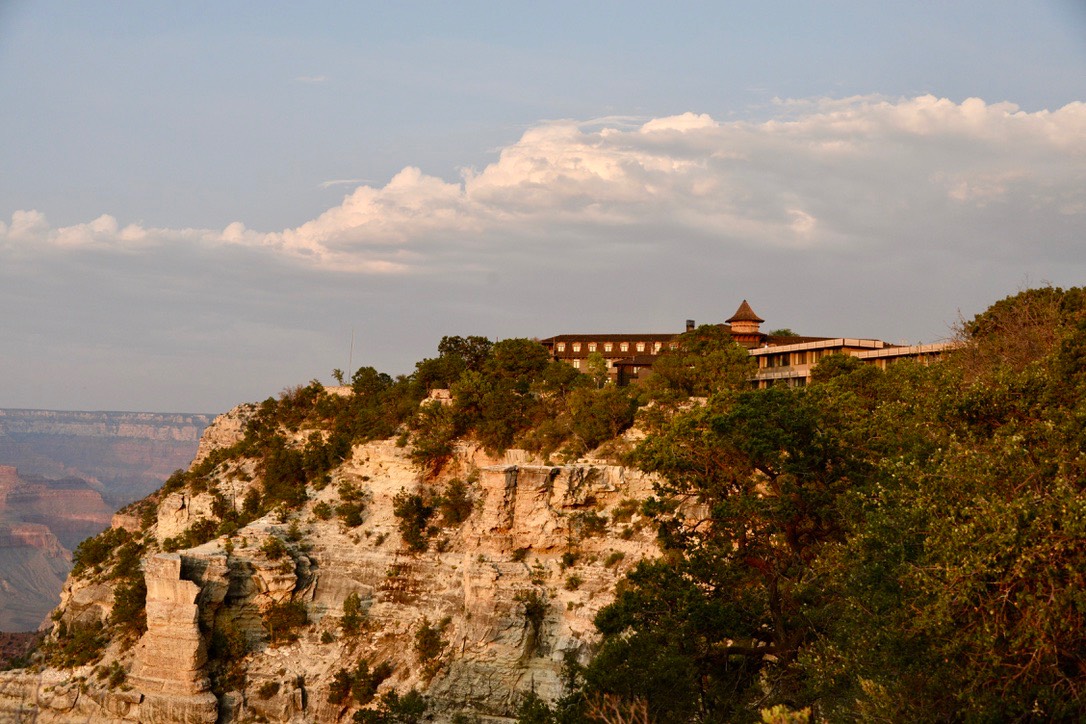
point(200, 201)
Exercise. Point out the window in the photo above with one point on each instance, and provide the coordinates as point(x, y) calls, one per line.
point(607, 346)
point(624, 347)
point(640, 346)
point(673, 345)
point(577, 363)
point(576, 346)
point(561, 346)
point(656, 347)
point(591, 346)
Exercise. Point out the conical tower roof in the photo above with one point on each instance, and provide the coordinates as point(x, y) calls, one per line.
point(744, 314)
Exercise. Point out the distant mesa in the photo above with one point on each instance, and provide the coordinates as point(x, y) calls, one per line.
point(62, 475)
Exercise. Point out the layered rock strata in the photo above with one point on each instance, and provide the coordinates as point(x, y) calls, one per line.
point(511, 592)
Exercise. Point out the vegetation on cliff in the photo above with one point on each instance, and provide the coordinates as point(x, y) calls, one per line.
point(899, 544)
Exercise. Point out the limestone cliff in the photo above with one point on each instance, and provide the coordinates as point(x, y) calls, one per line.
point(126, 454)
point(40, 522)
point(258, 624)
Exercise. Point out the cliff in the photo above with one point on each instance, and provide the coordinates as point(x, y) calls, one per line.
point(268, 621)
point(40, 522)
point(126, 454)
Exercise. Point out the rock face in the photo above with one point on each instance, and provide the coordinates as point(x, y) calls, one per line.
point(40, 522)
point(170, 658)
point(33, 566)
point(127, 454)
point(507, 593)
point(71, 509)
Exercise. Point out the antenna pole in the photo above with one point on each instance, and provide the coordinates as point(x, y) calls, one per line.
point(350, 355)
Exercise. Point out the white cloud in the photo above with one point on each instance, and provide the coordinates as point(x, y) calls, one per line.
point(853, 175)
point(341, 182)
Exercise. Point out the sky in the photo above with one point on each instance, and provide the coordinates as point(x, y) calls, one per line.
point(204, 203)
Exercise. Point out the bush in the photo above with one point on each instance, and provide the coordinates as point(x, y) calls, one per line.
point(196, 534)
point(351, 514)
point(625, 510)
point(76, 645)
point(414, 515)
point(284, 476)
point(282, 620)
point(455, 505)
point(360, 684)
point(588, 524)
point(96, 550)
point(353, 615)
point(129, 613)
point(430, 643)
point(274, 548)
point(364, 683)
point(406, 709)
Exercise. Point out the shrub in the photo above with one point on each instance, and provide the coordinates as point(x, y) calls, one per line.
point(282, 620)
point(129, 612)
point(625, 510)
point(414, 514)
point(429, 644)
point(340, 688)
point(455, 505)
point(406, 709)
point(76, 645)
point(573, 583)
point(96, 550)
point(250, 506)
point(351, 514)
point(588, 524)
point(323, 510)
point(535, 607)
point(614, 559)
point(274, 548)
point(284, 476)
point(364, 683)
point(175, 482)
point(353, 615)
point(117, 675)
point(196, 534)
point(360, 684)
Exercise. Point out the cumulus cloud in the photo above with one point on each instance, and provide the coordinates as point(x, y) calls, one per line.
point(853, 175)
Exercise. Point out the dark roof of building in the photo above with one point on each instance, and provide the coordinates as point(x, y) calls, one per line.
point(638, 360)
point(775, 340)
point(744, 314)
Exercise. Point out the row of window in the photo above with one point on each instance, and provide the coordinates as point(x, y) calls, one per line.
point(577, 363)
point(609, 346)
point(788, 359)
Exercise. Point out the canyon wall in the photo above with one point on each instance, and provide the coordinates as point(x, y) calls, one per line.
point(507, 594)
point(126, 455)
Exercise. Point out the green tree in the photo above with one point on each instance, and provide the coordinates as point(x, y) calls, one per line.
point(706, 360)
point(596, 368)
